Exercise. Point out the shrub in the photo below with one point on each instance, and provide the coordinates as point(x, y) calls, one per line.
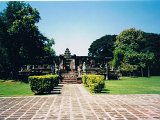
point(113, 75)
point(43, 84)
point(95, 83)
point(84, 78)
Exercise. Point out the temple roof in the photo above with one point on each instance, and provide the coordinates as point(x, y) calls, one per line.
point(67, 53)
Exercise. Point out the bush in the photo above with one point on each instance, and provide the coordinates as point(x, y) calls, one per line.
point(113, 75)
point(84, 80)
point(95, 83)
point(43, 84)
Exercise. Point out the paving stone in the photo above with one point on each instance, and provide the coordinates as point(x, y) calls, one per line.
point(75, 103)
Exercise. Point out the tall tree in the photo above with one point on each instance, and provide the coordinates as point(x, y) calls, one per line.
point(152, 43)
point(49, 51)
point(128, 49)
point(4, 58)
point(24, 42)
point(102, 47)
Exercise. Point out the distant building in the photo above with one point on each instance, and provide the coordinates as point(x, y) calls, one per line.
point(69, 62)
point(64, 63)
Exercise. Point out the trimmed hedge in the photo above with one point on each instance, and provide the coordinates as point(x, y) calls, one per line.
point(43, 84)
point(95, 83)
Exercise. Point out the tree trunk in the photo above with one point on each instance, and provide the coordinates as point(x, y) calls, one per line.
point(107, 72)
point(133, 74)
point(148, 72)
point(130, 74)
point(142, 72)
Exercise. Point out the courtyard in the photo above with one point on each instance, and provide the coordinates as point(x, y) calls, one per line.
point(113, 72)
point(76, 103)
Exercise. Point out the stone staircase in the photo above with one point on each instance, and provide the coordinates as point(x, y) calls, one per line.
point(57, 89)
point(69, 78)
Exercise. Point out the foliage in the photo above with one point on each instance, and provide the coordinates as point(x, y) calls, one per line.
point(20, 37)
point(4, 62)
point(152, 43)
point(130, 53)
point(95, 83)
point(49, 51)
point(43, 84)
point(118, 57)
point(114, 75)
point(102, 47)
point(84, 80)
point(136, 85)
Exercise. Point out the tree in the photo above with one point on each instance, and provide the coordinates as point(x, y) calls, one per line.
point(4, 58)
point(49, 51)
point(127, 49)
point(102, 47)
point(134, 51)
point(151, 44)
point(24, 43)
point(146, 60)
point(4, 61)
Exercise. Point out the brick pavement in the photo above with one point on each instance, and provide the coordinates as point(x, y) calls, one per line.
point(75, 103)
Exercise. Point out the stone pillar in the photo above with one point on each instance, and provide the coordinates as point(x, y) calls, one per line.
point(106, 66)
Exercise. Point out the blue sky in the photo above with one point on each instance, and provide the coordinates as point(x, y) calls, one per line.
point(75, 25)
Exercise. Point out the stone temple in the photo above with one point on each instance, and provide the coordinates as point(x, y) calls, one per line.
point(67, 65)
point(69, 62)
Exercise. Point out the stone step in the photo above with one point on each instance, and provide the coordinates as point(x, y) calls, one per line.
point(69, 73)
point(68, 82)
point(70, 79)
point(69, 76)
point(56, 92)
point(57, 89)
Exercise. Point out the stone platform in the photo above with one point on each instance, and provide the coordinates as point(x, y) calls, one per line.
point(75, 103)
point(70, 78)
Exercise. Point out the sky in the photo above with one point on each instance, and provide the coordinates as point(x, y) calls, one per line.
point(76, 24)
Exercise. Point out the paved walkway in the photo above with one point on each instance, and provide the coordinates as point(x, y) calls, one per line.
point(75, 103)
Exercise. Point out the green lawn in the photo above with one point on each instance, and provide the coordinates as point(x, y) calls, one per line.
point(139, 85)
point(14, 88)
point(125, 85)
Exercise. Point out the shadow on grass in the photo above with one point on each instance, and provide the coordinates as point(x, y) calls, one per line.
point(1, 95)
point(105, 90)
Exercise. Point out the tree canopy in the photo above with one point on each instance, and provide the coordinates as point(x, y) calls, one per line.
point(102, 47)
point(133, 51)
point(20, 39)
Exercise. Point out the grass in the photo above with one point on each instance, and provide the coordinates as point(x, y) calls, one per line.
point(126, 85)
point(14, 88)
point(139, 85)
